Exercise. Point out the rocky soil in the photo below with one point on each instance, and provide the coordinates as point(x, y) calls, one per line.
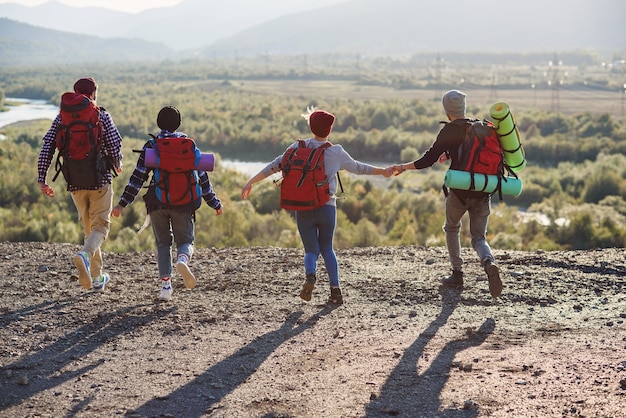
point(242, 343)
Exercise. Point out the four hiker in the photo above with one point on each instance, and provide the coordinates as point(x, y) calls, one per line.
point(174, 221)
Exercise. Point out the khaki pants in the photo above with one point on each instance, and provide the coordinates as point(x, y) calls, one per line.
point(479, 210)
point(94, 212)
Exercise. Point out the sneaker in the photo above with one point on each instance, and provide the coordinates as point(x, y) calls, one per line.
point(183, 269)
point(99, 282)
point(493, 274)
point(454, 281)
point(166, 290)
point(81, 261)
point(307, 287)
point(335, 296)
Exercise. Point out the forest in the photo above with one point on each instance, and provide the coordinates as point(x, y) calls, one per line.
point(574, 187)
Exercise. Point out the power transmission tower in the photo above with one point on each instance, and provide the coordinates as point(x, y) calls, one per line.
point(555, 83)
point(493, 94)
point(438, 65)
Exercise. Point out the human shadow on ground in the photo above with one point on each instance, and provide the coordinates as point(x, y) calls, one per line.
point(44, 369)
point(409, 393)
point(198, 397)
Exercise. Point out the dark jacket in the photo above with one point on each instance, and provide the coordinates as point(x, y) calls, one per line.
point(448, 141)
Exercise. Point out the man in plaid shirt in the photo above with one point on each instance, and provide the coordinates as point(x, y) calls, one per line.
point(93, 204)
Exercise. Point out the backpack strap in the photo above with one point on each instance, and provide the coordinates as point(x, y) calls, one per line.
point(339, 181)
point(287, 166)
point(312, 161)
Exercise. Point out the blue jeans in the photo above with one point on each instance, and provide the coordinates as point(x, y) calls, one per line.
point(317, 230)
point(479, 210)
point(168, 224)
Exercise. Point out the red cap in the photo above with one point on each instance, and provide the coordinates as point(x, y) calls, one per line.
point(321, 123)
point(85, 86)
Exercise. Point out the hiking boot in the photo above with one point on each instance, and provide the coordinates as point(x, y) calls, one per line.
point(493, 274)
point(99, 282)
point(307, 287)
point(183, 269)
point(454, 281)
point(335, 296)
point(81, 261)
point(166, 290)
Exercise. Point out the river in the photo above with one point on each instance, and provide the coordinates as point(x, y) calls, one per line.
point(40, 109)
point(27, 109)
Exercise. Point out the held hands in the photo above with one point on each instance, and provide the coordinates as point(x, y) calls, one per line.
point(388, 172)
point(397, 169)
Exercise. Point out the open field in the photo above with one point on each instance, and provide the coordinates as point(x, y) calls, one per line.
point(568, 102)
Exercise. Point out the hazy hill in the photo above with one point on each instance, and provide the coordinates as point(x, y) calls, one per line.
point(408, 26)
point(22, 43)
point(188, 25)
point(357, 26)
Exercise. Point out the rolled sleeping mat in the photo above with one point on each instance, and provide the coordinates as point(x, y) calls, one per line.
point(205, 163)
point(457, 179)
point(509, 136)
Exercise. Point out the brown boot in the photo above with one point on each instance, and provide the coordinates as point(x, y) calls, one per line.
point(454, 281)
point(335, 296)
point(493, 274)
point(307, 287)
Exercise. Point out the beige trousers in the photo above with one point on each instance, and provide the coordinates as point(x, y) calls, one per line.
point(94, 212)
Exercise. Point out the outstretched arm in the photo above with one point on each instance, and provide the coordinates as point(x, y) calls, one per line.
point(245, 192)
point(387, 172)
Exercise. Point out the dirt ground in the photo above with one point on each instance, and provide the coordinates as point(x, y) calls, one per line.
point(243, 344)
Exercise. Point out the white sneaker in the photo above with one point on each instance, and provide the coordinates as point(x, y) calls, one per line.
point(99, 282)
point(166, 290)
point(81, 261)
point(183, 269)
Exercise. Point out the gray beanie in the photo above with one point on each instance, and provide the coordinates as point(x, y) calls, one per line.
point(454, 103)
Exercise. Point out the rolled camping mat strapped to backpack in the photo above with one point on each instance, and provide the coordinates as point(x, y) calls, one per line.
point(509, 137)
point(205, 163)
point(462, 180)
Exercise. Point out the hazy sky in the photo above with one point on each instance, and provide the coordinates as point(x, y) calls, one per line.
point(133, 6)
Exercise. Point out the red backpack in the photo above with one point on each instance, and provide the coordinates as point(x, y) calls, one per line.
point(304, 185)
point(175, 178)
point(480, 151)
point(79, 141)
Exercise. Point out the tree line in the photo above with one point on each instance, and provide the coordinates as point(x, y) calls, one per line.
point(573, 196)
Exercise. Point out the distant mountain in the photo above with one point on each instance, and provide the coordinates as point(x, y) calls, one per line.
point(188, 25)
point(410, 26)
point(26, 44)
point(373, 27)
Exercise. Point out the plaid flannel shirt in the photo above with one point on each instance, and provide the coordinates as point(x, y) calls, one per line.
point(112, 145)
